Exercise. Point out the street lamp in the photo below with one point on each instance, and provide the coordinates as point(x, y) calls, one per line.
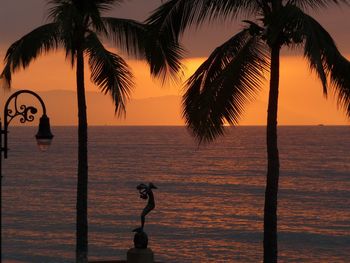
point(26, 114)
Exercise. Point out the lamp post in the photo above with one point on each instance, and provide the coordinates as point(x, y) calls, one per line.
point(26, 114)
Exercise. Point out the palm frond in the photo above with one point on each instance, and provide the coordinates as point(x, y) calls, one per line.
point(93, 13)
point(19, 55)
point(320, 47)
point(105, 5)
point(176, 15)
point(339, 68)
point(315, 4)
point(128, 34)
point(68, 16)
point(290, 28)
point(92, 10)
point(109, 72)
point(163, 54)
point(143, 41)
point(60, 9)
point(218, 90)
point(84, 5)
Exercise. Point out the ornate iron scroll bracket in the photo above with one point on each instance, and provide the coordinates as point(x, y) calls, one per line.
point(24, 112)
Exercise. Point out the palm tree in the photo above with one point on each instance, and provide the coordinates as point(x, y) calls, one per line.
point(232, 75)
point(77, 26)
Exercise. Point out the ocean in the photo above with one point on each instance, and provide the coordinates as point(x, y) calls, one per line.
point(209, 201)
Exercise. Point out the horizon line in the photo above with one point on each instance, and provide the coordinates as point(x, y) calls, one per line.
point(177, 125)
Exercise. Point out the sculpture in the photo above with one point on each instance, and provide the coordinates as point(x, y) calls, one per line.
point(141, 239)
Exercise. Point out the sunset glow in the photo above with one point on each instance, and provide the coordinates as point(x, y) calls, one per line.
point(237, 151)
point(301, 99)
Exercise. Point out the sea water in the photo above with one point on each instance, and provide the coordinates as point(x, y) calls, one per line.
point(209, 201)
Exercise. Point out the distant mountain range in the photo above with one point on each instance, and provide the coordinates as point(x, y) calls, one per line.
point(166, 110)
point(62, 109)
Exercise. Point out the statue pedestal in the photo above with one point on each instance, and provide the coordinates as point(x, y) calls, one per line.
point(140, 255)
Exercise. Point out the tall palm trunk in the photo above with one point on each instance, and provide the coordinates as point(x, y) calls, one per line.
point(270, 209)
point(81, 217)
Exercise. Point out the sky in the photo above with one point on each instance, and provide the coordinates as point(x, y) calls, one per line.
point(301, 99)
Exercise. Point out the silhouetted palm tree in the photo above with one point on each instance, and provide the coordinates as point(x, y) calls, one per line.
point(76, 26)
point(231, 76)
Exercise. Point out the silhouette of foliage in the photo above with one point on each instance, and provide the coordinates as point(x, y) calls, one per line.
point(217, 92)
point(77, 26)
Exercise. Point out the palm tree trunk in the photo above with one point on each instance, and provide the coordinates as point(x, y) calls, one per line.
point(273, 166)
point(81, 217)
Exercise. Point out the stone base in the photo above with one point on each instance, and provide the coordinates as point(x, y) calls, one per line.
point(137, 255)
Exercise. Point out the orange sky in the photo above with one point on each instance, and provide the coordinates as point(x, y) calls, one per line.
point(301, 99)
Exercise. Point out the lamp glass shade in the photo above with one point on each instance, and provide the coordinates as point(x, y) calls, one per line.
point(43, 144)
point(44, 135)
